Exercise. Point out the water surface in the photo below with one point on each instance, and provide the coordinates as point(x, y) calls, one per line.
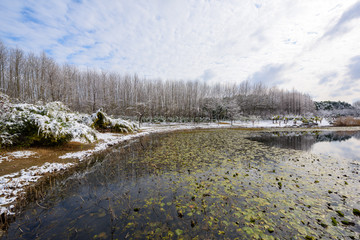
point(213, 184)
point(332, 144)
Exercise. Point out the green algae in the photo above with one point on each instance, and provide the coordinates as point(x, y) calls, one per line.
point(333, 221)
point(340, 213)
point(356, 212)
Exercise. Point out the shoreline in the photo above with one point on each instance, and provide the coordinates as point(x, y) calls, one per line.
point(14, 186)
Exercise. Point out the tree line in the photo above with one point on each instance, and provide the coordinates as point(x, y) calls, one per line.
point(33, 77)
point(336, 109)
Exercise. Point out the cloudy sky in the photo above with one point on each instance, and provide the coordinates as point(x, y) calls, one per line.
point(310, 45)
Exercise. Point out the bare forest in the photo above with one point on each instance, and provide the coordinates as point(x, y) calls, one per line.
point(30, 77)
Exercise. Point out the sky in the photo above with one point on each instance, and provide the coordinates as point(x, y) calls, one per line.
point(312, 46)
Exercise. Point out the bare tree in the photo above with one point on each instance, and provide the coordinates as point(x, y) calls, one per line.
point(31, 77)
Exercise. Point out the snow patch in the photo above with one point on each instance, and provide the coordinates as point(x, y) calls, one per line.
point(3, 158)
point(21, 154)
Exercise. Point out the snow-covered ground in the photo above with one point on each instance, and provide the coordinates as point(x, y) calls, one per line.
point(246, 124)
point(12, 185)
point(270, 123)
point(22, 154)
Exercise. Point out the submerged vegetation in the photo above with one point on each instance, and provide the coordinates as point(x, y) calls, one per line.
point(214, 184)
point(51, 124)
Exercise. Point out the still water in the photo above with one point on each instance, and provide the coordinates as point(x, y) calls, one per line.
point(331, 144)
point(213, 184)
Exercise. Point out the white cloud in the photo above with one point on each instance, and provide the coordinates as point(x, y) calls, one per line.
point(340, 27)
point(185, 39)
point(269, 74)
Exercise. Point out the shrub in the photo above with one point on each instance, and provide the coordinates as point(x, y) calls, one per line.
point(347, 121)
point(101, 121)
point(51, 124)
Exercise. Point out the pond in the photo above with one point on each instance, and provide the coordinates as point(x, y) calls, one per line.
point(209, 184)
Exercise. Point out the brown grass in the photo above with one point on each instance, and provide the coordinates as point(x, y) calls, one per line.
point(347, 121)
point(223, 123)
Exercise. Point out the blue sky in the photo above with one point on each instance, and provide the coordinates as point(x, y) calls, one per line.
point(310, 45)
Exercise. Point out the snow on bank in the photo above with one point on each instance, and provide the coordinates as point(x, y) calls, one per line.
point(13, 185)
point(22, 154)
point(4, 158)
point(18, 154)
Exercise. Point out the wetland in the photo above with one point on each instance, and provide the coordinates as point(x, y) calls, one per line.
point(207, 184)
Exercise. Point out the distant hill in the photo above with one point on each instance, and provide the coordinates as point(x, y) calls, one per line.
point(332, 105)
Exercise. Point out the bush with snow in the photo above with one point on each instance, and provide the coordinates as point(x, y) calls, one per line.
point(51, 124)
point(101, 121)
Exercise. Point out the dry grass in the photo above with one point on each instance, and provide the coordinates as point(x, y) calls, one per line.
point(347, 121)
point(223, 123)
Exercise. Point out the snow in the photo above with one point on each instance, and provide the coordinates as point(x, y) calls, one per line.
point(53, 123)
point(4, 158)
point(13, 185)
point(18, 154)
point(22, 154)
point(271, 124)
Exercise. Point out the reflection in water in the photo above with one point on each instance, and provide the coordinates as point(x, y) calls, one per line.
point(346, 149)
point(335, 144)
point(297, 142)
